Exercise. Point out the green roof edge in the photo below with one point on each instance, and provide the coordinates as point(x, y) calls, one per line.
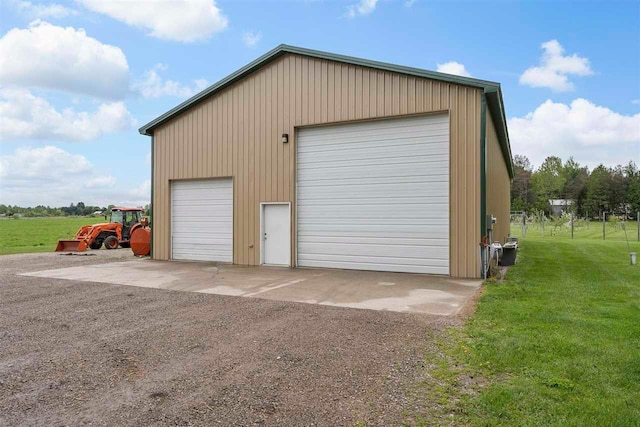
point(488, 86)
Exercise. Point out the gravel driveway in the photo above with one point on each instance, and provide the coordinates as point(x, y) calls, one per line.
point(88, 353)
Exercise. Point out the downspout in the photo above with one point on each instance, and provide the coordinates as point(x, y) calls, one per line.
point(153, 163)
point(483, 184)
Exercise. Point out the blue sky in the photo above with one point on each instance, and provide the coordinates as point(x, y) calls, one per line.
point(78, 78)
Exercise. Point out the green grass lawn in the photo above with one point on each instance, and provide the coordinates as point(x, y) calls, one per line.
point(556, 343)
point(38, 234)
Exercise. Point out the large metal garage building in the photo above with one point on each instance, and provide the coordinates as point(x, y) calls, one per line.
point(311, 159)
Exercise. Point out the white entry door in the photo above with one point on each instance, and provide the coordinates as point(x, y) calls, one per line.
point(276, 234)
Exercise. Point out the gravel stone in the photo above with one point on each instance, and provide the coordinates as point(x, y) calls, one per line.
point(77, 353)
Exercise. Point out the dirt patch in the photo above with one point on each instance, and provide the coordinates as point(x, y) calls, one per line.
point(76, 353)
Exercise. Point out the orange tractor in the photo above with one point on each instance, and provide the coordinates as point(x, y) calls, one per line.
point(119, 231)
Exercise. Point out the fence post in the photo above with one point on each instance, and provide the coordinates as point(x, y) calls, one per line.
point(638, 226)
point(604, 232)
point(571, 225)
point(542, 223)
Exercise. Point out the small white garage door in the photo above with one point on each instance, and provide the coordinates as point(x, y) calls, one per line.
point(202, 220)
point(375, 195)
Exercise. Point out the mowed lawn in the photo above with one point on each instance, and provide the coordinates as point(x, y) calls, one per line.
point(39, 234)
point(556, 343)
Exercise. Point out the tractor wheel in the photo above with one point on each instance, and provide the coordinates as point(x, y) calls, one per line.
point(111, 242)
point(96, 244)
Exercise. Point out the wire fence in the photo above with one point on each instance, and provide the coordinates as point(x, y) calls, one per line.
point(608, 227)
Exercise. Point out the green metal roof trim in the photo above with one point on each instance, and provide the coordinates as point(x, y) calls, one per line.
point(488, 86)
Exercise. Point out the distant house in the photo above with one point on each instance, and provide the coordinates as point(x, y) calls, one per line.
point(98, 213)
point(559, 206)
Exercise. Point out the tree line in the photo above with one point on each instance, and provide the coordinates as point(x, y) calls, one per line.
point(604, 189)
point(79, 209)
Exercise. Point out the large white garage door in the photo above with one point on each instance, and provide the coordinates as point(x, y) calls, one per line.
point(202, 220)
point(375, 195)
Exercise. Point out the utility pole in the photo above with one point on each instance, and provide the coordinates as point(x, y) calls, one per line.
point(638, 226)
point(604, 219)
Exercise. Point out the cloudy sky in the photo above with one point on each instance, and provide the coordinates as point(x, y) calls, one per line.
point(77, 78)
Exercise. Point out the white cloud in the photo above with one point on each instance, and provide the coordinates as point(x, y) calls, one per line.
point(453, 67)
point(179, 20)
point(363, 7)
point(142, 192)
point(33, 11)
point(26, 116)
point(154, 86)
point(555, 68)
point(52, 176)
point(636, 101)
point(49, 176)
point(47, 56)
point(591, 134)
point(250, 38)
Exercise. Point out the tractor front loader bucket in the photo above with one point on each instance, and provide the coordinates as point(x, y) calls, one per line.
point(73, 245)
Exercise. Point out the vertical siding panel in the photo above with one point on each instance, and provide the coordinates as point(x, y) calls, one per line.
point(272, 135)
point(331, 103)
point(380, 94)
point(411, 95)
point(251, 170)
point(358, 93)
point(344, 92)
point(200, 150)
point(305, 90)
point(352, 87)
point(324, 99)
point(373, 93)
point(366, 94)
point(337, 92)
point(267, 135)
point(318, 94)
point(244, 163)
point(298, 90)
point(428, 97)
point(279, 131)
point(310, 89)
point(396, 95)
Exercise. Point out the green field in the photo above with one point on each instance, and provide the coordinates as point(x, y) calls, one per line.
point(556, 343)
point(38, 234)
point(614, 231)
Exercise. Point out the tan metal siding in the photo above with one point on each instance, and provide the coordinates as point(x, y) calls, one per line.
point(498, 185)
point(236, 133)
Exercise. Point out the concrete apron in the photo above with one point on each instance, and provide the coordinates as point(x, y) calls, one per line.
point(401, 292)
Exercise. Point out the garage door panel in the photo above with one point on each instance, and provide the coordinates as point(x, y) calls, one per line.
point(356, 170)
point(375, 228)
point(402, 265)
point(391, 191)
point(375, 195)
point(202, 220)
point(373, 134)
point(370, 153)
point(335, 249)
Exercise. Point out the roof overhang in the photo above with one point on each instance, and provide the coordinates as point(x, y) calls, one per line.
point(492, 89)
